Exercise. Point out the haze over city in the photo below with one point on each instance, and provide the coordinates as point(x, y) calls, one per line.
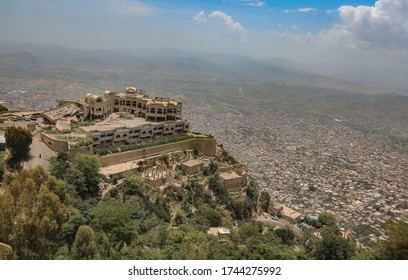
point(363, 41)
point(229, 129)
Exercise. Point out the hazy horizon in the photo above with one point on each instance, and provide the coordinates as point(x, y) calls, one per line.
point(355, 39)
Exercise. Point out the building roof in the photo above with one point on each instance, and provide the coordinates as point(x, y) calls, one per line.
point(114, 124)
point(286, 211)
point(192, 162)
point(62, 112)
point(229, 175)
point(63, 126)
point(218, 230)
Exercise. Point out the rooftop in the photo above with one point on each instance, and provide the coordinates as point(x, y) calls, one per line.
point(229, 175)
point(192, 162)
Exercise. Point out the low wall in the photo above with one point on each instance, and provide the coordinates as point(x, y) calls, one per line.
point(54, 144)
point(82, 150)
point(206, 146)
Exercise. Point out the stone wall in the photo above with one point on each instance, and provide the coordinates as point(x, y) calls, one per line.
point(54, 144)
point(206, 146)
point(82, 150)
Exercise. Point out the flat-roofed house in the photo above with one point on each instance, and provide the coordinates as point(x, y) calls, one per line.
point(192, 166)
point(232, 181)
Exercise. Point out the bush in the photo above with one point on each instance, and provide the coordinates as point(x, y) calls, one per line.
point(80, 142)
point(3, 108)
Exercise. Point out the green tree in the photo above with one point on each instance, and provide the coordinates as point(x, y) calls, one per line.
point(33, 211)
point(84, 247)
point(333, 246)
point(89, 167)
point(18, 141)
point(213, 217)
point(286, 235)
point(396, 246)
point(3, 108)
point(2, 171)
point(264, 200)
point(70, 228)
point(59, 165)
point(195, 245)
point(328, 219)
point(114, 219)
point(82, 173)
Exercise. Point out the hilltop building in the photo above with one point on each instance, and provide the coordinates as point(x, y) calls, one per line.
point(128, 117)
point(135, 102)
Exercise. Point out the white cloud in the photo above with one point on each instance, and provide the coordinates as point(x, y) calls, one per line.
point(235, 26)
point(301, 10)
point(200, 17)
point(255, 3)
point(385, 24)
point(131, 8)
point(338, 36)
point(306, 10)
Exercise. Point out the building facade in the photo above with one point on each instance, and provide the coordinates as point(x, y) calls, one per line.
point(135, 102)
point(122, 132)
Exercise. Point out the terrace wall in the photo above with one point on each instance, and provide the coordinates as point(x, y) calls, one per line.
point(54, 144)
point(206, 146)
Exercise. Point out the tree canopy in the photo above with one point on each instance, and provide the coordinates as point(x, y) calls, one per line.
point(33, 210)
point(18, 141)
point(3, 108)
point(396, 246)
point(82, 173)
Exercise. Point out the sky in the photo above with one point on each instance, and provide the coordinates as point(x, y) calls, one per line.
point(363, 32)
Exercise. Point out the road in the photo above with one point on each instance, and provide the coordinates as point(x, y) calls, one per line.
point(40, 153)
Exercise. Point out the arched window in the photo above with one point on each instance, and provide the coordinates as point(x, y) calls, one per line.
point(134, 104)
point(127, 103)
point(159, 111)
point(152, 110)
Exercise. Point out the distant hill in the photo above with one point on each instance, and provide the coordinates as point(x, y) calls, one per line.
point(173, 64)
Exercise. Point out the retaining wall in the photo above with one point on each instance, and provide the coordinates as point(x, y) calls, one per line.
point(54, 144)
point(206, 146)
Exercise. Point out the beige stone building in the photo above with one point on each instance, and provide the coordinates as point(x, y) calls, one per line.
point(192, 166)
point(232, 181)
point(150, 118)
point(135, 102)
point(287, 213)
point(115, 133)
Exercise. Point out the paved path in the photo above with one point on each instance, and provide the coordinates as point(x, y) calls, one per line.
point(38, 148)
